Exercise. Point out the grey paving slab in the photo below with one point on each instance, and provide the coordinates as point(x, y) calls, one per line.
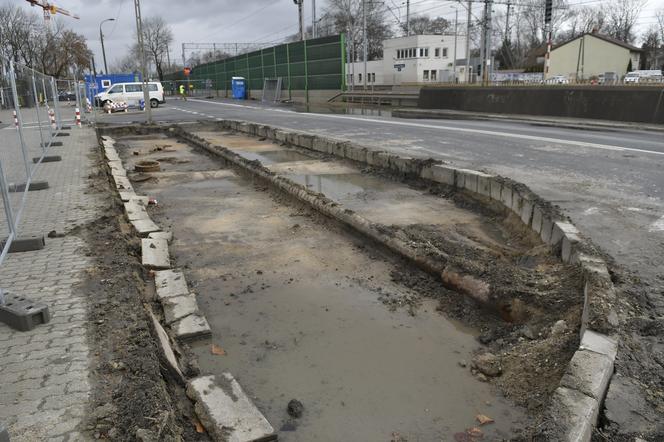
point(44, 376)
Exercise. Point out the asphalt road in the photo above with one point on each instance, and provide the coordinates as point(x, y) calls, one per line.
point(610, 182)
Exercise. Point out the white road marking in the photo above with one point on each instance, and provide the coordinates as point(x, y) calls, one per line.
point(450, 128)
point(657, 226)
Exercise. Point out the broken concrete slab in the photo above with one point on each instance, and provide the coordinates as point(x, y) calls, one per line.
point(178, 307)
point(191, 327)
point(589, 373)
point(170, 283)
point(168, 236)
point(626, 407)
point(155, 253)
point(166, 349)
point(226, 411)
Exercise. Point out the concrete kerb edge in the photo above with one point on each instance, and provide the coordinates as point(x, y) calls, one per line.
point(511, 195)
point(562, 236)
point(185, 328)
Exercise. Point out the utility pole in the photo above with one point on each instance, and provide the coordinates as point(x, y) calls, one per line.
point(184, 62)
point(141, 50)
point(468, 19)
point(407, 18)
point(314, 30)
point(548, 12)
point(486, 42)
point(301, 17)
point(456, 31)
point(101, 37)
point(364, 26)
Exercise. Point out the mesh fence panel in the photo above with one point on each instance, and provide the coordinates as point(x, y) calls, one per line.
point(304, 65)
point(31, 115)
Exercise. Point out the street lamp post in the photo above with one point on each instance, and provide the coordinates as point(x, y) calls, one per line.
point(101, 37)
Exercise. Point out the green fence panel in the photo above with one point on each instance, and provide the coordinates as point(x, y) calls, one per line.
point(319, 68)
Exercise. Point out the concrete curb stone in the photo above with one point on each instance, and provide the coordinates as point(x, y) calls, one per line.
point(226, 411)
point(191, 327)
point(178, 307)
point(155, 254)
point(170, 283)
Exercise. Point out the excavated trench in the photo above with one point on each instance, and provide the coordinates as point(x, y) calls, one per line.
point(375, 348)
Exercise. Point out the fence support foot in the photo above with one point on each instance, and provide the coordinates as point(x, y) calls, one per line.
point(34, 185)
point(25, 244)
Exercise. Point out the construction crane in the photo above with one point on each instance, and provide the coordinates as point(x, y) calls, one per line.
point(51, 9)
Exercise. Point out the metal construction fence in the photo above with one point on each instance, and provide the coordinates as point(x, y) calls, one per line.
point(34, 109)
point(316, 64)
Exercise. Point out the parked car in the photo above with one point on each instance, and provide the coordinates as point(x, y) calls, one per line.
point(632, 77)
point(66, 96)
point(557, 79)
point(132, 93)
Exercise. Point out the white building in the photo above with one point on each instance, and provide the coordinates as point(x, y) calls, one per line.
point(413, 59)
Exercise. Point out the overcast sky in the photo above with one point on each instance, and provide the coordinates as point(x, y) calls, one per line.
point(225, 21)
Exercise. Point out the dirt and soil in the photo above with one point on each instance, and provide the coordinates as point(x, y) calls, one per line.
point(133, 395)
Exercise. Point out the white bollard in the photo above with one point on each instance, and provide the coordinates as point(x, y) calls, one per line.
point(15, 120)
point(78, 117)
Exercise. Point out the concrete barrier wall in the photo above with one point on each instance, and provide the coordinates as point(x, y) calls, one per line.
point(636, 104)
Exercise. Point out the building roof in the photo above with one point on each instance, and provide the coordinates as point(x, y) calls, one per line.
point(605, 38)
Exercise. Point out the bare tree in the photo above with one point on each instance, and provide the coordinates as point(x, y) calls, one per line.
point(346, 16)
point(423, 24)
point(17, 30)
point(621, 18)
point(157, 37)
point(660, 23)
point(128, 63)
point(530, 16)
point(583, 20)
point(651, 47)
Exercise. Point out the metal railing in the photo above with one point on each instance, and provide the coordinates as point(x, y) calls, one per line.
point(34, 109)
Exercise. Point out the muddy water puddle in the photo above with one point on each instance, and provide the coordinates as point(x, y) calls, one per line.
point(376, 198)
point(295, 304)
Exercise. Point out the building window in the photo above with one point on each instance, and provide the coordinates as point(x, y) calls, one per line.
point(437, 52)
point(426, 52)
point(399, 53)
point(106, 83)
point(444, 52)
point(373, 77)
point(433, 75)
point(359, 78)
point(426, 75)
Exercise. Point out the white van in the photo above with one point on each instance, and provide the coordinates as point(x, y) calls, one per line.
point(132, 93)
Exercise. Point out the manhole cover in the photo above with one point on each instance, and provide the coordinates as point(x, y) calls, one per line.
point(147, 166)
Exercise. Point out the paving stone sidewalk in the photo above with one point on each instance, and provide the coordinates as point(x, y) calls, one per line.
point(44, 373)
